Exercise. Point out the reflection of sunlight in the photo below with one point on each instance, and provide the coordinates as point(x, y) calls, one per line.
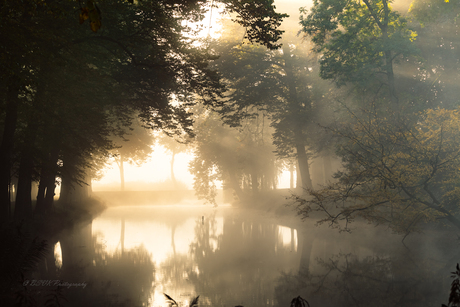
point(184, 235)
point(58, 255)
point(157, 237)
point(288, 237)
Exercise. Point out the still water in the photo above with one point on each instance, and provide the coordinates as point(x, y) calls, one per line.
point(131, 256)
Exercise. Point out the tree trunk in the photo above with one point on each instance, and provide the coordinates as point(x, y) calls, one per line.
point(254, 183)
point(173, 178)
point(298, 181)
point(291, 177)
point(122, 172)
point(304, 167)
point(23, 206)
point(327, 168)
point(50, 192)
point(235, 186)
point(47, 183)
point(11, 116)
point(73, 190)
point(298, 124)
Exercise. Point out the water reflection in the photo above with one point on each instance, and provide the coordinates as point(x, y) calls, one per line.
point(220, 254)
point(373, 268)
point(131, 256)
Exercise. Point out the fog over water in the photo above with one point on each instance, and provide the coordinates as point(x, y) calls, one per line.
point(233, 256)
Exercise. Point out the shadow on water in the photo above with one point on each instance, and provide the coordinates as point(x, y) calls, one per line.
point(393, 275)
point(82, 274)
point(131, 256)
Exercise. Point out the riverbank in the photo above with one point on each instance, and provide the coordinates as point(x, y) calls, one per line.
point(28, 248)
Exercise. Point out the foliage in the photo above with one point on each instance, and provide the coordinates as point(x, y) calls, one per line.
point(358, 40)
point(69, 87)
point(135, 145)
point(396, 173)
point(242, 159)
point(357, 280)
point(260, 21)
point(299, 302)
point(193, 303)
point(438, 41)
point(454, 296)
point(277, 86)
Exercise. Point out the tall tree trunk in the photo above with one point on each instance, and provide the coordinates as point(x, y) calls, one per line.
point(304, 167)
point(121, 167)
point(47, 183)
point(298, 124)
point(72, 192)
point(298, 181)
point(254, 182)
point(383, 25)
point(291, 177)
point(76, 184)
point(233, 182)
point(173, 178)
point(327, 168)
point(11, 116)
point(23, 206)
point(50, 193)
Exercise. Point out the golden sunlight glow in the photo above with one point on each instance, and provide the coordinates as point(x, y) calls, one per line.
point(211, 25)
point(156, 169)
point(58, 255)
point(158, 239)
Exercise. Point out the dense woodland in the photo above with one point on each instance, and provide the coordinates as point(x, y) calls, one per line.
point(359, 82)
point(78, 77)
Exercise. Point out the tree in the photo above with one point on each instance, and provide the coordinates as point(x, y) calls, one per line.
point(242, 158)
point(399, 174)
point(397, 164)
point(278, 83)
point(134, 147)
point(174, 146)
point(359, 43)
point(436, 23)
point(143, 55)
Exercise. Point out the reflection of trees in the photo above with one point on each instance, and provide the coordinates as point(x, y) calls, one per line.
point(122, 279)
point(347, 280)
point(242, 269)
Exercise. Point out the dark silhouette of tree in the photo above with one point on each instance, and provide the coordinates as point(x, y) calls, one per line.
point(64, 85)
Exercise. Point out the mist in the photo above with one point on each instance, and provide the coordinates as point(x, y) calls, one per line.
point(229, 153)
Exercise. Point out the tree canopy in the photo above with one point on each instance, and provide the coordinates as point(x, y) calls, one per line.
point(68, 86)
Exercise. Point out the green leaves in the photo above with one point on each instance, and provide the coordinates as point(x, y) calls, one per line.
point(357, 40)
point(260, 20)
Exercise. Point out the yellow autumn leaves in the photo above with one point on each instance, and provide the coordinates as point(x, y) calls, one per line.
point(400, 170)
